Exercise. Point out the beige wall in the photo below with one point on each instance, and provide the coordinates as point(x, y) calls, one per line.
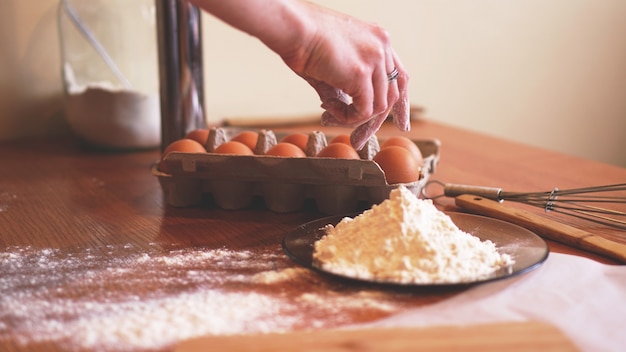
point(549, 73)
point(30, 85)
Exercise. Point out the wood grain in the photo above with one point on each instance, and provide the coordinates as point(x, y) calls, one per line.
point(489, 337)
point(56, 194)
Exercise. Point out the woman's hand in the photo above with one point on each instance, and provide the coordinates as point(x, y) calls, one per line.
point(349, 62)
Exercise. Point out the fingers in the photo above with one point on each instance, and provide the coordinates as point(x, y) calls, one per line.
point(373, 96)
point(401, 108)
point(393, 92)
point(381, 93)
point(401, 114)
point(362, 133)
point(339, 110)
point(327, 92)
point(377, 98)
point(337, 103)
point(329, 119)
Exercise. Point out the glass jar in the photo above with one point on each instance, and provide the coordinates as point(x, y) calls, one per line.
point(110, 72)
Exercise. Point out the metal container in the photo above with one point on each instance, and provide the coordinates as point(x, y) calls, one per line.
point(180, 69)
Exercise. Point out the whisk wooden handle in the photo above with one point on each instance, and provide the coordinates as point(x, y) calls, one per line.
point(453, 190)
point(544, 227)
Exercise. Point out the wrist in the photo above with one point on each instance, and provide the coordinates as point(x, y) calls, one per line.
point(290, 31)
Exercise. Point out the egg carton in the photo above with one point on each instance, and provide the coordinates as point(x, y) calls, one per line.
point(336, 186)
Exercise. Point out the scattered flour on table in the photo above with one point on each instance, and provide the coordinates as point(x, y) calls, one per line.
point(115, 299)
point(406, 240)
point(118, 301)
point(272, 277)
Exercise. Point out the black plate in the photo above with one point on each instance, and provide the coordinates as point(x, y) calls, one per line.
point(527, 249)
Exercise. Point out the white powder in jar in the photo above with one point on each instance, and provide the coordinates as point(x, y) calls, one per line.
point(406, 240)
point(112, 117)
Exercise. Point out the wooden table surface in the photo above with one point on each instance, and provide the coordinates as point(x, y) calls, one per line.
point(90, 230)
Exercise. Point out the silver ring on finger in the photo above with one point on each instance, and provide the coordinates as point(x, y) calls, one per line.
point(393, 75)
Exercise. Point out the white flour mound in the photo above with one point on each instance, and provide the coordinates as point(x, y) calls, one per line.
point(406, 240)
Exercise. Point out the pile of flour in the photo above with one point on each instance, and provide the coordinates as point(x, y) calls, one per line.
point(406, 240)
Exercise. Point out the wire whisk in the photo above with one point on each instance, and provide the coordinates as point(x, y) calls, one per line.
point(581, 203)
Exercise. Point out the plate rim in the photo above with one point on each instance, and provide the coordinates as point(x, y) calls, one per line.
point(334, 219)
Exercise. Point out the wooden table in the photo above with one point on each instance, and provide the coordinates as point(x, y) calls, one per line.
point(62, 204)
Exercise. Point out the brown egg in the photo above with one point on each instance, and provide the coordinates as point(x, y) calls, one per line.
point(286, 149)
point(298, 139)
point(407, 144)
point(398, 164)
point(338, 150)
point(342, 138)
point(248, 138)
point(200, 135)
point(184, 145)
point(233, 147)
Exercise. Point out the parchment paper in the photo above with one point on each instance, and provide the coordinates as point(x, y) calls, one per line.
point(585, 299)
